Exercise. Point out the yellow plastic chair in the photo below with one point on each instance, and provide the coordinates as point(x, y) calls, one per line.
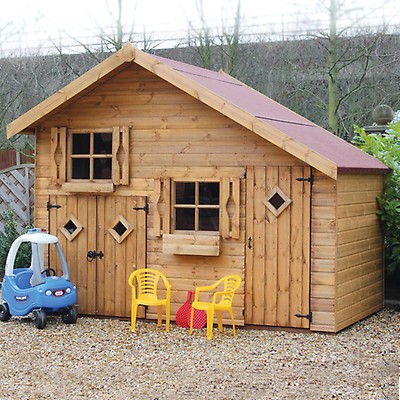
point(221, 301)
point(146, 280)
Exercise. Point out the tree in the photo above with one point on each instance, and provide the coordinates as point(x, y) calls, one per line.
point(217, 50)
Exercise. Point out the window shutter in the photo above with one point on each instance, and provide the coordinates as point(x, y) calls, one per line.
point(120, 155)
point(230, 207)
point(162, 206)
point(58, 155)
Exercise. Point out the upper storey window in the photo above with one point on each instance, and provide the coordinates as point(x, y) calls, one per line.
point(91, 155)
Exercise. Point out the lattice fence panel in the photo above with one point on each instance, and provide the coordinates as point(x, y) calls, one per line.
point(17, 193)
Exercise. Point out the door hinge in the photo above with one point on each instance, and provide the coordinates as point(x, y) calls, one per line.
point(310, 179)
point(145, 208)
point(307, 316)
point(49, 206)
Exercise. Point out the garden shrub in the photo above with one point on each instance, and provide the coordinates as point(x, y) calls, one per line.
point(386, 148)
point(23, 258)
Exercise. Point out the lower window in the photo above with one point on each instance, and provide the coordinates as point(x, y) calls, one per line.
point(196, 206)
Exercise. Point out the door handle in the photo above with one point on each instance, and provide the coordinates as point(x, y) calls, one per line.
point(92, 254)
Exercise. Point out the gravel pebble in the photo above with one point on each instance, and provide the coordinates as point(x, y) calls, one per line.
point(102, 359)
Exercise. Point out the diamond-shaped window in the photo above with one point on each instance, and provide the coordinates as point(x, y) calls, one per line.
point(71, 228)
point(277, 201)
point(121, 228)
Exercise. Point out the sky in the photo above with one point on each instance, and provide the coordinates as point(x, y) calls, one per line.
point(28, 24)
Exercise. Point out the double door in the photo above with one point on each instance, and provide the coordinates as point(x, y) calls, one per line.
point(104, 240)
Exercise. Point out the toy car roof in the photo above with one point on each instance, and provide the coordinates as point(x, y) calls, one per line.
point(37, 235)
point(34, 235)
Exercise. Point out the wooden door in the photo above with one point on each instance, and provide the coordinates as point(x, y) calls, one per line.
point(104, 240)
point(277, 274)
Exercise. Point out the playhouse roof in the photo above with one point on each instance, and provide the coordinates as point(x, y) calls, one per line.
point(298, 136)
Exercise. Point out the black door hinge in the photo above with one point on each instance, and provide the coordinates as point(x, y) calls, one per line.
point(309, 179)
point(307, 316)
point(145, 208)
point(50, 206)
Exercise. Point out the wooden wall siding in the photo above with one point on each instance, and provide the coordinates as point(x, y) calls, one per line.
point(171, 136)
point(277, 261)
point(360, 249)
point(346, 251)
point(323, 253)
point(185, 272)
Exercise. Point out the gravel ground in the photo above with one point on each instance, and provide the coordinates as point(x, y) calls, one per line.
point(102, 359)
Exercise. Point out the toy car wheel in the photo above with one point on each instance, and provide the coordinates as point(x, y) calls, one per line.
point(4, 312)
point(39, 318)
point(70, 316)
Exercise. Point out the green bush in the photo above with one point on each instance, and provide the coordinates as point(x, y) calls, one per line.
point(23, 258)
point(386, 148)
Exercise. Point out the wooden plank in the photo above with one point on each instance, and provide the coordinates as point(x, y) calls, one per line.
point(296, 249)
point(355, 222)
point(249, 255)
point(271, 263)
point(284, 228)
point(224, 215)
point(156, 201)
point(189, 244)
point(259, 279)
point(235, 183)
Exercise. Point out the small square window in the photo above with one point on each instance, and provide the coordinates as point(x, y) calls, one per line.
point(184, 192)
point(71, 228)
point(277, 201)
point(91, 155)
point(80, 168)
point(185, 219)
point(121, 229)
point(81, 143)
point(196, 206)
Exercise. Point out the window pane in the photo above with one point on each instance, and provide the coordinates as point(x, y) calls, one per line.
point(184, 219)
point(102, 143)
point(81, 143)
point(208, 219)
point(80, 168)
point(209, 193)
point(102, 168)
point(184, 193)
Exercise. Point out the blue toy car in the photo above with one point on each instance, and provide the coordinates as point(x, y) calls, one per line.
point(37, 289)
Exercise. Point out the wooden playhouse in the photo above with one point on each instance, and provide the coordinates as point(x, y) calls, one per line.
point(145, 161)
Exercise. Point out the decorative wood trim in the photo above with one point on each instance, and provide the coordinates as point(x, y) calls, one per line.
point(58, 149)
point(230, 207)
point(286, 201)
point(189, 244)
point(114, 233)
point(88, 187)
point(71, 236)
point(120, 155)
point(157, 201)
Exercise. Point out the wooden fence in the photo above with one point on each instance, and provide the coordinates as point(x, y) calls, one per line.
point(16, 193)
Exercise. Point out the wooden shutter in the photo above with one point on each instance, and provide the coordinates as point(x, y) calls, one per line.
point(162, 206)
point(120, 155)
point(230, 207)
point(58, 155)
